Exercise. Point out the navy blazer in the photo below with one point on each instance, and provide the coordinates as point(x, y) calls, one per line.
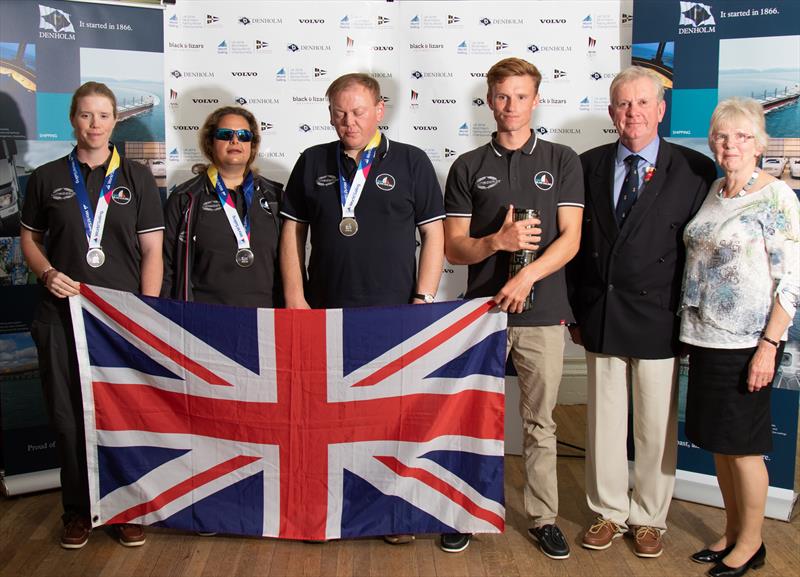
point(624, 284)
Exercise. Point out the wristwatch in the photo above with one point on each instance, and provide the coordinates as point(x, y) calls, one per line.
point(428, 298)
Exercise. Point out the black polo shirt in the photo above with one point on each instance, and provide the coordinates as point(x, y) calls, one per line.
point(216, 278)
point(376, 266)
point(51, 206)
point(482, 184)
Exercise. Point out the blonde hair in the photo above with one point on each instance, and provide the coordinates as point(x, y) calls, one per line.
point(733, 109)
point(346, 81)
point(512, 67)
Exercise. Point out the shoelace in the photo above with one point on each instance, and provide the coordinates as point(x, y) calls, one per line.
point(642, 532)
point(600, 523)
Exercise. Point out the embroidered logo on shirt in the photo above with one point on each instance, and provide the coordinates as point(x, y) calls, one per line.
point(121, 195)
point(211, 205)
point(543, 180)
point(182, 236)
point(327, 180)
point(487, 182)
point(385, 181)
point(264, 204)
point(62, 194)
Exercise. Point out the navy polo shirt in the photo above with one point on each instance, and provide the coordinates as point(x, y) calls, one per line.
point(52, 207)
point(376, 266)
point(483, 183)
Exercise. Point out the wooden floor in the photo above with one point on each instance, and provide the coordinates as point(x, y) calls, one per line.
point(30, 525)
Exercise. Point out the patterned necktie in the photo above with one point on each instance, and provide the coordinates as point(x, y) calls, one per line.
point(629, 190)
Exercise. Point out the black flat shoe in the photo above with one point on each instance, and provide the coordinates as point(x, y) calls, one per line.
point(709, 556)
point(756, 561)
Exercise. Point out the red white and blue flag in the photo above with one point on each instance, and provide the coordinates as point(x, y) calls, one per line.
point(294, 424)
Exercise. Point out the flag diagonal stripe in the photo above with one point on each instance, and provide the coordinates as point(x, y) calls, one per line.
point(181, 489)
point(152, 340)
point(426, 347)
point(444, 488)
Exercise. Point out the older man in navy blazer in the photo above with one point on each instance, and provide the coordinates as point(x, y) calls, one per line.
point(624, 288)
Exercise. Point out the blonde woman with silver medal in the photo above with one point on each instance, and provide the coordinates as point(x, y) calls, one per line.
point(94, 217)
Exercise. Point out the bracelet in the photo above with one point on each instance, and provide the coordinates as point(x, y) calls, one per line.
point(775, 344)
point(46, 272)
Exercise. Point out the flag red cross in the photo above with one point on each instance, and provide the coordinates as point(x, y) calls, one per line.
point(296, 420)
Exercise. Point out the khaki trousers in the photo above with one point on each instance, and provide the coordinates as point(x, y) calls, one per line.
point(538, 355)
point(653, 383)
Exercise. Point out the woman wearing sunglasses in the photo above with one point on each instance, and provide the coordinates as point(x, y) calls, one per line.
point(221, 242)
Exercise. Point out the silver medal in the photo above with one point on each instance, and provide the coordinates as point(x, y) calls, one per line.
point(348, 226)
point(95, 257)
point(245, 257)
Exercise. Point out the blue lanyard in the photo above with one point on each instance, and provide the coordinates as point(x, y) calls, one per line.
point(94, 230)
point(349, 194)
point(226, 200)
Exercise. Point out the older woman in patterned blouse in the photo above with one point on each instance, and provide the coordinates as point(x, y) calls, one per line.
point(740, 292)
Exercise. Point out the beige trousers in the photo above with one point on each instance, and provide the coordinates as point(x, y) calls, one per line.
point(538, 355)
point(653, 384)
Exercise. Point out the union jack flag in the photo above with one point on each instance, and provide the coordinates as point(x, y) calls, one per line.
point(293, 424)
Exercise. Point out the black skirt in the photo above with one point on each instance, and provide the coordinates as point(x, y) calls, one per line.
point(721, 415)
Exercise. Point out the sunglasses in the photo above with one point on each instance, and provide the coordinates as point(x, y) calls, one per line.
point(242, 135)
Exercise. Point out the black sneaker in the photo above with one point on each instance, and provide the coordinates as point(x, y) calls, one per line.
point(551, 541)
point(454, 542)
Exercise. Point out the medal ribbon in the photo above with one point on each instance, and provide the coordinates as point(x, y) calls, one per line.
point(349, 194)
point(94, 221)
point(241, 230)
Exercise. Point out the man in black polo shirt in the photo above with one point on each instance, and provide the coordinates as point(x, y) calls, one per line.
point(363, 197)
point(516, 169)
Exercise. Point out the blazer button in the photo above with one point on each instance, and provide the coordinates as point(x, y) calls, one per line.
point(611, 287)
point(595, 254)
point(643, 293)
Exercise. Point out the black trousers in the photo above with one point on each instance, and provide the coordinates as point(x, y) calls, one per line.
point(58, 367)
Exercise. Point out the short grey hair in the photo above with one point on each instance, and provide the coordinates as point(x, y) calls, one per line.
point(632, 73)
point(733, 109)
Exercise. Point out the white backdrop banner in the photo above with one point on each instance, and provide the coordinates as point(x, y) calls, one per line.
point(431, 58)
